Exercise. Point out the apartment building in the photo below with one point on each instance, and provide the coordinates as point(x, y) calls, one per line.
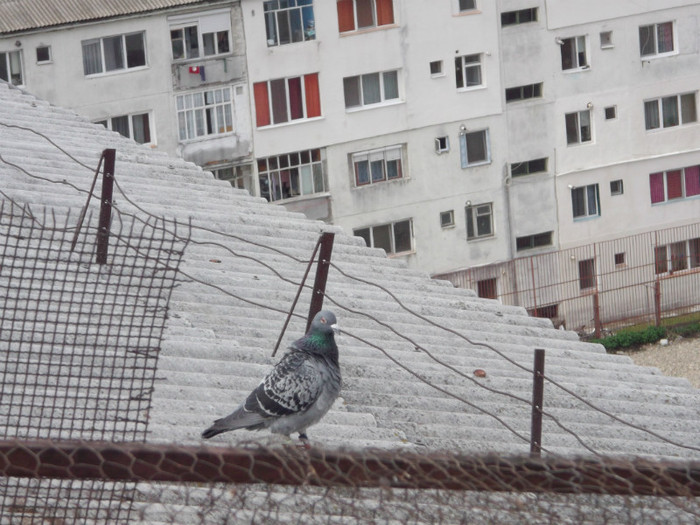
point(451, 134)
point(171, 74)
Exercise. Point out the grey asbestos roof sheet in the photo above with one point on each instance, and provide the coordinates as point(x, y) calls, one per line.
point(21, 15)
point(411, 344)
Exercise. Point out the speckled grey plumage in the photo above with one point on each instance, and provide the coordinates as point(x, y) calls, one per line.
point(297, 392)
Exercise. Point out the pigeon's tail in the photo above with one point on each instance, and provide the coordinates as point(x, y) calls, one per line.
point(239, 419)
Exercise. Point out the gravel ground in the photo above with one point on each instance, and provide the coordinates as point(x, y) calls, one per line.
point(681, 358)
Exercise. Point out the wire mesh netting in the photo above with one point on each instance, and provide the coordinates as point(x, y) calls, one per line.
point(79, 345)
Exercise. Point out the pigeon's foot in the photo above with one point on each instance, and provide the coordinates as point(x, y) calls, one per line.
point(304, 441)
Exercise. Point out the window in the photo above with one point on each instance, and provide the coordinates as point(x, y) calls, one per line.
point(616, 187)
point(578, 127)
point(442, 145)
point(521, 16)
point(393, 238)
point(371, 89)
point(610, 112)
point(487, 288)
point(292, 174)
point(377, 165)
point(528, 167)
point(43, 54)
point(287, 99)
point(479, 221)
point(468, 71)
point(586, 274)
point(204, 113)
point(677, 256)
point(529, 242)
point(114, 53)
point(550, 311)
point(620, 259)
point(524, 92)
point(447, 218)
point(474, 148)
point(135, 127)
point(238, 176)
point(207, 34)
point(664, 112)
point(11, 67)
point(288, 21)
point(436, 68)
point(585, 201)
point(656, 39)
point(573, 53)
point(606, 41)
point(362, 14)
point(467, 5)
point(674, 184)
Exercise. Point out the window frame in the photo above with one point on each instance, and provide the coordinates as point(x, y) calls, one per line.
point(384, 155)
point(382, 13)
point(576, 54)
point(579, 138)
point(109, 124)
point(534, 241)
point(530, 14)
point(275, 16)
point(49, 60)
point(392, 227)
point(655, 31)
point(305, 106)
point(587, 280)
point(124, 54)
point(464, 148)
point(668, 262)
point(620, 190)
point(8, 67)
point(661, 115)
point(472, 214)
point(687, 186)
point(461, 69)
point(447, 219)
point(524, 92)
point(196, 21)
point(529, 167)
point(303, 170)
point(361, 90)
point(187, 103)
point(588, 201)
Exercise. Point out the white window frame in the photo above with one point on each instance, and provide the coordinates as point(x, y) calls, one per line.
point(464, 150)
point(102, 58)
point(472, 214)
point(194, 113)
point(11, 65)
point(465, 63)
point(655, 32)
point(580, 127)
point(671, 263)
point(660, 113)
point(521, 16)
point(378, 158)
point(392, 236)
point(442, 144)
point(447, 219)
point(383, 100)
point(48, 60)
point(580, 46)
point(109, 124)
point(206, 23)
point(305, 168)
point(590, 201)
point(474, 7)
point(276, 15)
point(239, 176)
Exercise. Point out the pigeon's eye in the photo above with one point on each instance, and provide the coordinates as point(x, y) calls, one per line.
point(323, 320)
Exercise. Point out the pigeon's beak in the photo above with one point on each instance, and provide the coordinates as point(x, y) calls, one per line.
point(336, 329)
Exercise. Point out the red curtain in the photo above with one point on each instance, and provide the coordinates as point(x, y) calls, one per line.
point(385, 12)
point(656, 186)
point(296, 108)
point(346, 15)
point(313, 96)
point(262, 104)
point(674, 184)
point(692, 181)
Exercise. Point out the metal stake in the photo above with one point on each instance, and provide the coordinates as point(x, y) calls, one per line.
point(537, 400)
point(105, 206)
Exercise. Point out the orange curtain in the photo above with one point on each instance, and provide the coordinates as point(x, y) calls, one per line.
point(313, 96)
point(262, 104)
point(346, 15)
point(385, 12)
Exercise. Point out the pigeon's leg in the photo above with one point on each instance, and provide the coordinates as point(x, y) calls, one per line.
point(304, 440)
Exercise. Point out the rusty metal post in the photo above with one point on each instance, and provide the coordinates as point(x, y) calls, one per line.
point(537, 401)
point(596, 316)
point(105, 206)
point(324, 262)
point(657, 302)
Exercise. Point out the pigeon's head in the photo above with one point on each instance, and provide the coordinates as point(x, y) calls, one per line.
point(324, 322)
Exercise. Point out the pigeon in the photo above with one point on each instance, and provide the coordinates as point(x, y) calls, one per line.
point(297, 392)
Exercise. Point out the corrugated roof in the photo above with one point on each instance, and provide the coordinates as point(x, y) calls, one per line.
point(22, 15)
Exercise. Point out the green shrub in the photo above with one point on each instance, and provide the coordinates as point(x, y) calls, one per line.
point(687, 330)
point(629, 338)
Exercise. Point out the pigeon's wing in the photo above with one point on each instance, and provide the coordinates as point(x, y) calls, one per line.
point(291, 387)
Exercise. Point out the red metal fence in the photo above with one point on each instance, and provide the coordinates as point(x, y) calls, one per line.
point(633, 279)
